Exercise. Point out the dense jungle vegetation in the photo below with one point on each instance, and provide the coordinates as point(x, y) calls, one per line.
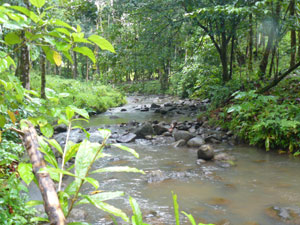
point(61, 60)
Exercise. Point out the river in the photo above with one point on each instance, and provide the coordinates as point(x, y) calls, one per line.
point(236, 195)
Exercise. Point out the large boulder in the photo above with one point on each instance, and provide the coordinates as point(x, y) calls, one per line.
point(154, 106)
point(205, 152)
point(159, 129)
point(126, 138)
point(185, 135)
point(196, 142)
point(60, 128)
point(145, 129)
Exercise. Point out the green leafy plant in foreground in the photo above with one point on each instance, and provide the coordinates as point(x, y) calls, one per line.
point(85, 153)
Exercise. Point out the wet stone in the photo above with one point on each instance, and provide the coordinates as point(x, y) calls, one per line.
point(205, 152)
point(288, 215)
point(185, 135)
point(179, 143)
point(195, 142)
point(126, 138)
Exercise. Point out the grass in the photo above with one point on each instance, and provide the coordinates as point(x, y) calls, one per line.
point(93, 96)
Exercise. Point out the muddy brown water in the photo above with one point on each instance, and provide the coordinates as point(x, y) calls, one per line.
point(236, 195)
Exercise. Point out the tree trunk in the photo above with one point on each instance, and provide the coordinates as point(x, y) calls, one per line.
point(231, 56)
point(87, 69)
point(74, 68)
point(298, 45)
point(46, 185)
point(23, 70)
point(43, 75)
point(293, 35)
point(250, 63)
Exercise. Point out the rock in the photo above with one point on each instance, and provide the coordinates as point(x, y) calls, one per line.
point(205, 152)
point(162, 111)
point(179, 143)
point(287, 215)
point(196, 142)
point(60, 128)
point(168, 104)
point(205, 100)
point(185, 135)
point(123, 110)
point(144, 130)
point(126, 138)
point(213, 139)
point(154, 106)
point(149, 137)
point(156, 176)
point(144, 109)
point(200, 161)
point(224, 157)
point(114, 117)
point(167, 134)
point(183, 126)
point(77, 215)
point(159, 129)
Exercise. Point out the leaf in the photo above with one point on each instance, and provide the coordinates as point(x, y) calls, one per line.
point(71, 151)
point(108, 208)
point(49, 155)
point(57, 58)
point(81, 112)
point(130, 150)
point(119, 169)
point(0, 136)
point(37, 3)
point(86, 154)
point(86, 51)
point(12, 116)
point(176, 208)
point(26, 12)
point(47, 130)
point(55, 144)
point(190, 217)
point(39, 219)
point(2, 121)
point(103, 196)
point(102, 43)
point(34, 203)
point(25, 171)
point(68, 56)
point(105, 133)
point(136, 211)
point(93, 182)
point(61, 24)
point(12, 38)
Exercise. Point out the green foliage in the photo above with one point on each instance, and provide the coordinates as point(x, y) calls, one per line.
point(87, 95)
point(13, 209)
point(145, 87)
point(265, 121)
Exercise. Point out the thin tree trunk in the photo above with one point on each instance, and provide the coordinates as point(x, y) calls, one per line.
point(250, 63)
point(87, 69)
point(74, 68)
point(293, 35)
point(43, 76)
point(232, 56)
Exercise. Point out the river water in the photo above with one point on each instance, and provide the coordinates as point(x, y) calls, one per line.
point(237, 195)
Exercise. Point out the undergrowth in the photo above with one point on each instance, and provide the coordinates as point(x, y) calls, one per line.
point(92, 96)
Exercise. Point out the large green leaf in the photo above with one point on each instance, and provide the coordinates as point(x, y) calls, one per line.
point(26, 12)
point(86, 154)
point(25, 171)
point(119, 169)
point(81, 112)
point(102, 43)
point(12, 38)
point(93, 182)
point(87, 52)
point(34, 203)
point(61, 23)
point(5, 61)
point(47, 130)
point(49, 155)
point(108, 208)
point(137, 214)
point(37, 3)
